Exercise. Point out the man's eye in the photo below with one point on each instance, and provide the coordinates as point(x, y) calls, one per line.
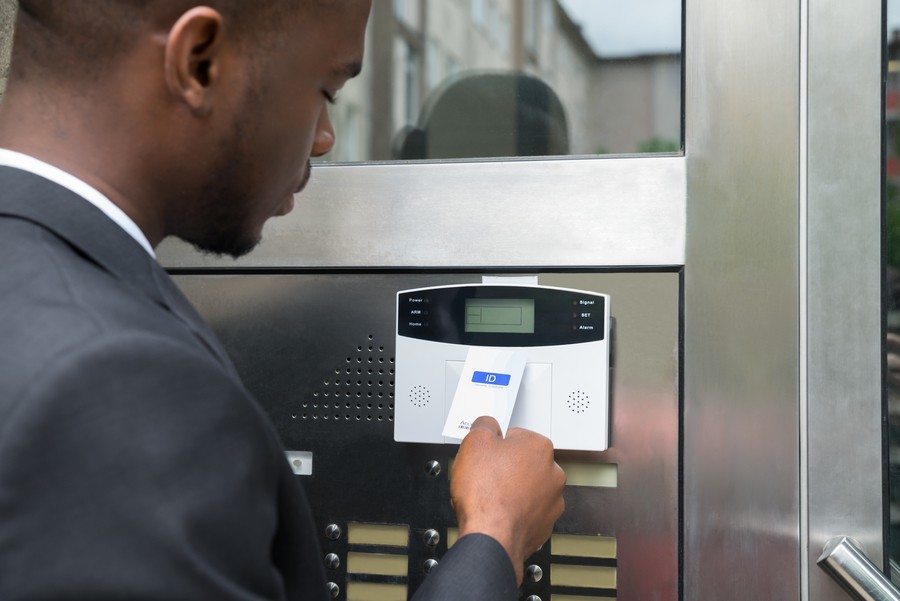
point(331, 98)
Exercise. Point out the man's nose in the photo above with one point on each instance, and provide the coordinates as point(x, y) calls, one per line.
point(324, 140)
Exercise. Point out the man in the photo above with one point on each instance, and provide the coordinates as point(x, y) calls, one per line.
point(134, 463)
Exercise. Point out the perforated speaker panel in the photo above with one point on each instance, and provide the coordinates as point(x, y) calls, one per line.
point(360, 389)
point(578, 401)
point(419, 396)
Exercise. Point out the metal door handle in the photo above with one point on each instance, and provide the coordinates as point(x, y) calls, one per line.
point(848, 565)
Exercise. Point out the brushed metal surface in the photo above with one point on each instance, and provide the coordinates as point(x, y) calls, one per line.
point(293, 336)
point(843, 307)
point(642, 512)
point(612, 212)
point(741, 355)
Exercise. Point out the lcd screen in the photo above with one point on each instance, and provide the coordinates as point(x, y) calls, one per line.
point(500, 315)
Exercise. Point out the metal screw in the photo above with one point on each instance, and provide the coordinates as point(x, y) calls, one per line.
point(533, 598)
point(333, 531)
point(333, 590)
point(534, 573)
point(430, 564)
point(332, 561)
point(433, 468)
point(432, 537)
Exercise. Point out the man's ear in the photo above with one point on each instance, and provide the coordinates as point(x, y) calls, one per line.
point(193, 56)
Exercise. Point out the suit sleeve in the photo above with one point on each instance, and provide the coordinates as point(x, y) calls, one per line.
point(476, 568)
point(136, 468)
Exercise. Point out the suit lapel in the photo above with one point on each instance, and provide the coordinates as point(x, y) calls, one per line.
point(181, 307)
point(81, 224)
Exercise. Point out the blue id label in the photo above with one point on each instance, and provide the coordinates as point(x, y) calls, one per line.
point(484, 377)
point(491, 391)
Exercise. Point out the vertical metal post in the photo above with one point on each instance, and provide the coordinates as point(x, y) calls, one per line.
point(741, 322)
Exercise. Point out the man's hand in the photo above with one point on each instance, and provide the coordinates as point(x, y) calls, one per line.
point(510, 489)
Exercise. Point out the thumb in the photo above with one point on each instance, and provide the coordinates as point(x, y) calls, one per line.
point(486, 422)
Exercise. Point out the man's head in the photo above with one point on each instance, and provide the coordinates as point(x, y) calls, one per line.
point(78, 40)
point(198, 120)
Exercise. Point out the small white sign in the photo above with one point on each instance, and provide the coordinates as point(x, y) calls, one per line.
point(301, 462)
point(489, 385)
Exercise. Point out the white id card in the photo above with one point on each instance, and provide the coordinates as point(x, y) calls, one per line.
point(489, 385)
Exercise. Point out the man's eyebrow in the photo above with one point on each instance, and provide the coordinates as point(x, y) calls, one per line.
point(348, 70)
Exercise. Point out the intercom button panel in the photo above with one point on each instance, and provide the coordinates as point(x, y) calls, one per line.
point(565, 334)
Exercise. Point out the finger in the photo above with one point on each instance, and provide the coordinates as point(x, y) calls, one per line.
point(539, 441)
point(522, 432)
point(486, 422)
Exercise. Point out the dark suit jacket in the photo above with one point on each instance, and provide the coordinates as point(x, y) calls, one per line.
point(133, 462)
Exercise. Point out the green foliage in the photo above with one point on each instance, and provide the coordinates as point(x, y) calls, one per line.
point(659, 145)
point(892, 222)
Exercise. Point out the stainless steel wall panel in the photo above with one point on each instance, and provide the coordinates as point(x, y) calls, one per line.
point(311, 348)
point(741, 355)
point(843, 295)
point(642, 513)
point(613, 212)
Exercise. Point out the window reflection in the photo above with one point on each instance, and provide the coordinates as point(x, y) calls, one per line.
point(609, 75)
point(892, 270)
point(7, 19)
point(487, 114)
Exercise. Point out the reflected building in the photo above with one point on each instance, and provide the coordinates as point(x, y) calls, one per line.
point(612, 105)
point(892, 116)
point(7, 21)
point(892, 277)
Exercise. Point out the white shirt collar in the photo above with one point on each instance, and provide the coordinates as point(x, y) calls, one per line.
point(10, 158)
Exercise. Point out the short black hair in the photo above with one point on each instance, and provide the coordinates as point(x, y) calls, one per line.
point(80, 37)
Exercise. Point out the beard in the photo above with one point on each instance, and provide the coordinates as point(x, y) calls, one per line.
point(226, 217)
point(226, 227)
point(234, 246)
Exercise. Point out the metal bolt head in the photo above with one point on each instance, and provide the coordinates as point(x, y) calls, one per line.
point(433, 468)
point(333, 590)
point(333, 531)
point(430, 564)
point(432, 537)
point(332, 561)
point(533, 598)
point(534, 573)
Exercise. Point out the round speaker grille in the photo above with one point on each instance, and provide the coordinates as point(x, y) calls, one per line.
point(419, 396)
point(579, 401)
